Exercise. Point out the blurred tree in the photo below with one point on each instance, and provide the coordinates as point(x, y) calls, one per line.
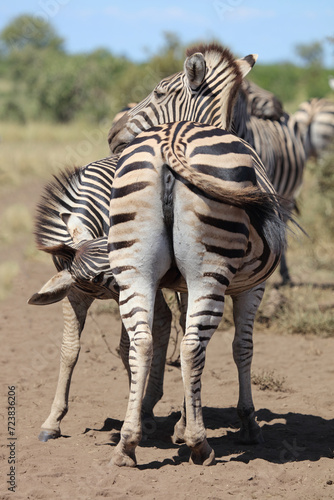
point(168, 59)
point(27, 30)
point(312, 54)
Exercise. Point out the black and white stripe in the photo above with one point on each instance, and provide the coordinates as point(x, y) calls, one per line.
point(315, 119)
point(257, 117)
point(72, 225)
point(191, 209)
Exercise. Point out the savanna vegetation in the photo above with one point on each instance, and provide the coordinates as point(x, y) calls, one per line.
point(55, 112)
point(40, 80)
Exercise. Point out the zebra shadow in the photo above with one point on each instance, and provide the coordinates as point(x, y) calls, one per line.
point(288, 437)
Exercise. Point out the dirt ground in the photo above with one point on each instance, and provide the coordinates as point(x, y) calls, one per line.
point(296, 460)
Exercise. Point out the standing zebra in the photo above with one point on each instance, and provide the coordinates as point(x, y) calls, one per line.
point(72, 224)
point(195, 94)
point(315, 119)
point(276, 138)
point(192, 209)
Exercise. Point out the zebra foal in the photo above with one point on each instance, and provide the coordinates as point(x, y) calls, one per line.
point(71, 225)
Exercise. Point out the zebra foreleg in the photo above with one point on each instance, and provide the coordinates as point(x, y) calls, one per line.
point(245, 306)
point(75, 307)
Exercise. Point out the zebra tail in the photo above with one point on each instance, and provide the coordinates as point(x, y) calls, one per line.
point(265, 210)
point(50, 230)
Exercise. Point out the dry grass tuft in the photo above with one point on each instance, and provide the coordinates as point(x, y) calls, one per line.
point(268, 381)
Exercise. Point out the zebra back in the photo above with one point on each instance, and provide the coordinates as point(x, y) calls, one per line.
point(226, 168)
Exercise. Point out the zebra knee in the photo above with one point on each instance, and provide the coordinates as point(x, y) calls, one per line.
point(69, 354)
point(190, 347)
point(143, 344)
point(242, 350)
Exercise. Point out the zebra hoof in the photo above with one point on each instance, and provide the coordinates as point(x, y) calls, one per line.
point(45, 435)
point(123, 460)
point(252, 434)
point(178, 434)
point(149, 426)
point(203, 455)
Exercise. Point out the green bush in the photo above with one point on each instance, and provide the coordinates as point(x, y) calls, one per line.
point(47, 83)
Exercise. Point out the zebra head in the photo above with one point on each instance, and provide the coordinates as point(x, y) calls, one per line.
point(84, 266)
point(204, 92)
point(258, 102)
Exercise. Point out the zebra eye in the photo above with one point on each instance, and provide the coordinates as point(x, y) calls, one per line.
point(98, 278)
point(158, 93)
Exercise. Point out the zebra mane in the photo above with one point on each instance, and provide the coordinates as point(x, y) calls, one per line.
point(50, 230)
point(214, 48)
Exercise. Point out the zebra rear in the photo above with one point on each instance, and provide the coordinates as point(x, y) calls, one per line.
point(315, 119)
point(202, 214)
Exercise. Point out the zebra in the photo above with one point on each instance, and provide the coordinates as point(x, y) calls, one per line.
point(258, 117)
point(122, 112)
point(192, 210)
point(260, 102)
point(315, 119)
point(277, 138)
point(72, 224)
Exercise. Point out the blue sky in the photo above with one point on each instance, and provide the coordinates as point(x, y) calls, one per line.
point(135, 28)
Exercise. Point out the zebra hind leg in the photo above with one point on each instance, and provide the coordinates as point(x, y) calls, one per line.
point(205, 310)
point(137, 315)
point(75, 307)
point(161, 332)
point(245, 306)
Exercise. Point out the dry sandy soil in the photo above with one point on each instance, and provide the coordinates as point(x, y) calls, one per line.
point(296, 460)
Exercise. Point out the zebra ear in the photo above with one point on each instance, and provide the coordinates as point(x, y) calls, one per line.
point(195, 68)
point(246, 63)
point(54, 290)
point(76, 227)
